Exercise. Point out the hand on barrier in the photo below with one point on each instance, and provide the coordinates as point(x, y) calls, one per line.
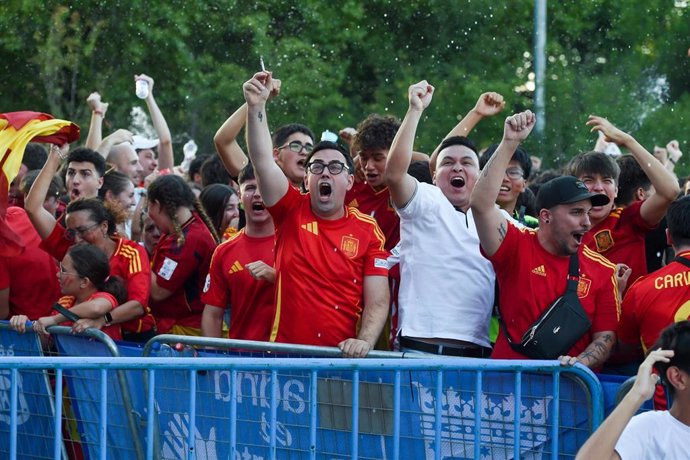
point(354, 348)
point(20, 323)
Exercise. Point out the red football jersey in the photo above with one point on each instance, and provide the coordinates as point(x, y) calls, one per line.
point(230, 285)
point(530, 279)
point(653, 303)
point(321, 265)
point(378, 205)
point(182, 270)
point(113, 330)
point(621, 239)
point(32, 268)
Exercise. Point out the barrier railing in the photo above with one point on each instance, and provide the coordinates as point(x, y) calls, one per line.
point(236, 407)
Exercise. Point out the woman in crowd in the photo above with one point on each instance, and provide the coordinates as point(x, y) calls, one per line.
point(182, 256)
point(222, 205)
point(118, 189)
point(89, 292)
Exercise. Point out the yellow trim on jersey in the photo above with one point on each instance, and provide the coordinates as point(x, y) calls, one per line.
point(276, 318)
point(366, 218)
point(134, 259)
point(595, 256)
point(217, 249)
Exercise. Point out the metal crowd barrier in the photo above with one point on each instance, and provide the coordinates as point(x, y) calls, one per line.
point(216, 405)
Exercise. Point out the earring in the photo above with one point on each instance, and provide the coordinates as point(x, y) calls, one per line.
point(546, 221)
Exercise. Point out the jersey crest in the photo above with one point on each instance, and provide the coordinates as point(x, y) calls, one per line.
point(583, 286)
point(350, 246)
point(603, 240)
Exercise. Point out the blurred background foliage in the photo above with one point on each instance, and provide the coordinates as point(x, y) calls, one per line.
point(628, 61)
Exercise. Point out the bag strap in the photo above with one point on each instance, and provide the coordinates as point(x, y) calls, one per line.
point(682, 260)
point(66, 313)
point(571, 286)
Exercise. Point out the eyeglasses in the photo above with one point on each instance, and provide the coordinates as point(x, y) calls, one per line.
point(515, 173)
point(73, 232)
point(334, 167)
point(297, 147)
point(64, 271)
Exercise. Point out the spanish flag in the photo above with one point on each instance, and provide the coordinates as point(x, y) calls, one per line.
point(17, 129)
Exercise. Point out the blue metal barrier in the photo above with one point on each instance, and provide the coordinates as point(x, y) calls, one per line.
point(211, 407)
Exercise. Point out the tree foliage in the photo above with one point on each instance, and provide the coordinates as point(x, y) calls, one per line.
point(341, 60)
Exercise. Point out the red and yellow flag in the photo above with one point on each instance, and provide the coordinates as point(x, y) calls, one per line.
point(17, 129)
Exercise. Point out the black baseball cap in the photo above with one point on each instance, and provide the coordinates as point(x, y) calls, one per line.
point(566, 190)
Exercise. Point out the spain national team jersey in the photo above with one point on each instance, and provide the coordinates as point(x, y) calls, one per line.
point(182, 270)
point(113, 331)
point(621, 239)
point(530, 279)
point(321, 265)
point(377, 205)
point(129, 262)
point(230, 285)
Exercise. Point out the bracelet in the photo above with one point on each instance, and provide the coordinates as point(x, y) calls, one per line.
point(97, 112)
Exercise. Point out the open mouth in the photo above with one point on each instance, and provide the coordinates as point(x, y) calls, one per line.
point(300, 163)
point(578, 237)
point(258, 206)
point(75, 193)
point(505, 189)
point(457, 182)
point(325, 189)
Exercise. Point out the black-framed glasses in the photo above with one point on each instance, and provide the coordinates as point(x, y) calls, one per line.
point(515, 173)
point(81, 231)
point(297, 147)
point(63, 271)
point(334, 167)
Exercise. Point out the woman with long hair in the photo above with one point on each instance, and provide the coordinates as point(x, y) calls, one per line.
point(88, 292)
point(118, 189)
point(222, 205)
point(90, 221)
point(182, 256)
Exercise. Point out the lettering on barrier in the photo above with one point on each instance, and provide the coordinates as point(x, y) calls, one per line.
point(23, 414)
point(496, 432)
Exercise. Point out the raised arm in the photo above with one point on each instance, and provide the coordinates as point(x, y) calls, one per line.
point(402, 185)
point(488, 105)
point(602, 443)
point(273, 183)
point(665, 184)
point(98, 110)
point(491, 223)
point(118, 137)
point(376, 301)
point(230, 152)
point(165, 148)
point(43, 221)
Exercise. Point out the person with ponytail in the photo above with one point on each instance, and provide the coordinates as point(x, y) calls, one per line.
point(89, 220)
point(182, 256)
point(88, 290)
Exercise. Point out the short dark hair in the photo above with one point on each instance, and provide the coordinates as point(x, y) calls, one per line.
point(213, 172)
point(246, 174)
point(675, 337)
point(282, 133)
point(375, 132)
point(678, 221)
point(35, 156)
point(328, 145)
point(98, 212)
point(420, 171)
point(92, 263)
point(593, 163)
point(457, 140)
point(89, 156)
point(195, 165)
point(54, 189)
point(520, 155)
point(631, 177)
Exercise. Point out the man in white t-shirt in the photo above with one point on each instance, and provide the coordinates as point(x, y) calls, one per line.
point(447, 287)
point(655, 434)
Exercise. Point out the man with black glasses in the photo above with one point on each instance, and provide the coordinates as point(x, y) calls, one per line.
point(331, 284)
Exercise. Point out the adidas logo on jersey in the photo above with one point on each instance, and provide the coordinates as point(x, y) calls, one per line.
point(311, 227)
point(236, 267)
point(540, 270)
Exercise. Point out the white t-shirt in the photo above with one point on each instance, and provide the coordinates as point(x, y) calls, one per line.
point(446, 285)
point(654, 435)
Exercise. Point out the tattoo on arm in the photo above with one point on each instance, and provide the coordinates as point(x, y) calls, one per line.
point(261, 116)
point(598, 351)
point(502, 231)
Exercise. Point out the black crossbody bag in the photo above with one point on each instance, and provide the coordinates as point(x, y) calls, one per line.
point(559, 327)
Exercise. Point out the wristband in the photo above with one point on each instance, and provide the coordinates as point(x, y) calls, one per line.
point(97, 112)
point(108, 319)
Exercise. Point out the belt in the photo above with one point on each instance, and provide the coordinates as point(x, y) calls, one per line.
point(446, 350)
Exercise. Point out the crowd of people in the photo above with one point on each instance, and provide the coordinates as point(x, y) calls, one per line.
point(361, 243)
